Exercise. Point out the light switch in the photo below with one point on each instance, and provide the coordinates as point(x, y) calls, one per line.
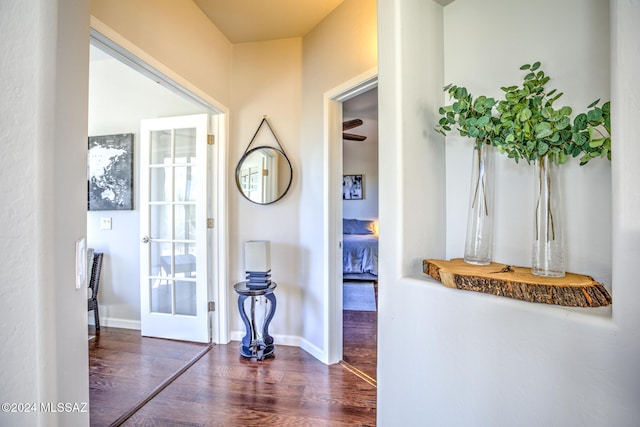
point(105, 223)
point(81, 263)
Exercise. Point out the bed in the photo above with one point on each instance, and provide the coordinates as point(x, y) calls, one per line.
point(359, 250)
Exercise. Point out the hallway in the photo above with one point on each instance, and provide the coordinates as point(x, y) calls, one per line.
point(221, 388)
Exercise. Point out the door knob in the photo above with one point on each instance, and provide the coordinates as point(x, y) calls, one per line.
point(145, 239)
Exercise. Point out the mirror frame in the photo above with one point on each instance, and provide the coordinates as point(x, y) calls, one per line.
point(244, 157)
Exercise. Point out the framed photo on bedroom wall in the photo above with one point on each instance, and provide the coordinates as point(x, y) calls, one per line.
point(352, 187)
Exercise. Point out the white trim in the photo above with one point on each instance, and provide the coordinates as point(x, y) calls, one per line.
point(333, 100)
point(285, 340)
point(114, 322)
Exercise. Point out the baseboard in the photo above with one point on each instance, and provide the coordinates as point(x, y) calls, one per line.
point(288, 340)
point(313, 350)
point(112, 322)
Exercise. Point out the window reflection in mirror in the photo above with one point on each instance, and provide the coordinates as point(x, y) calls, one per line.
point(264, 175)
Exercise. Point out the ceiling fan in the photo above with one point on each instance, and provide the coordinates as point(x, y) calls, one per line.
point(350, 124)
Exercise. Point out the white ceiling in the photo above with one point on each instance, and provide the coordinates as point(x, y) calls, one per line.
point(258, 20)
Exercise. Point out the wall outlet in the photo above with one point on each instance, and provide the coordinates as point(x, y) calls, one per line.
point(105, 223)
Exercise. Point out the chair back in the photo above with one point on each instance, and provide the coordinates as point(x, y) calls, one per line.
point(94, 280)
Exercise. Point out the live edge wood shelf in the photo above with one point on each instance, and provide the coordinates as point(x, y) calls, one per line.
point(573, 290)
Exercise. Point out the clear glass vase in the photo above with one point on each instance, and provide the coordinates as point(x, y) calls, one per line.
point(548, 238)
point(479, 241)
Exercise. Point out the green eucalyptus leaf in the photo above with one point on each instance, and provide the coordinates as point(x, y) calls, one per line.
point(594, 115)
point(593, 104)
point(580, 138)
point(566, 110)
point(543, 133)
point(535, 66)
point(543, 148)
point(483, 121)
point(524, 115)
point(461, 92)
point(562, 157)
point(563, 123)
point(576, 151)
point(525, 67)
point(580, 122)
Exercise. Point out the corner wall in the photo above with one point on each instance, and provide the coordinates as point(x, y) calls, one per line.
point(339, 49)
point(267, 80)
point(44, 354)
point(457, 358)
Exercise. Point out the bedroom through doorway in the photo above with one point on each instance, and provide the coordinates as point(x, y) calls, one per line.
point(360, 233)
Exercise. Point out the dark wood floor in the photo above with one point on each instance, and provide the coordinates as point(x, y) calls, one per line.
point(360, 339)
point(221, 388)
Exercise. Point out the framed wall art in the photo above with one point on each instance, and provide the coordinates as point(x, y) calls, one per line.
point(352, 188)
point(110, 172)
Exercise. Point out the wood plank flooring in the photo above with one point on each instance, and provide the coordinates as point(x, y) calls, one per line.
point(221, 388)
point(124, 368)
point(360, 339)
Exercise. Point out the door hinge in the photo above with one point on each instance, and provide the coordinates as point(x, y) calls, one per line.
point(210, 139)
point(212, 306)
point(209, 222)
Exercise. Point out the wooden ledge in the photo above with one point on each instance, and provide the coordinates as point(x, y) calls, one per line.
point(573, 290)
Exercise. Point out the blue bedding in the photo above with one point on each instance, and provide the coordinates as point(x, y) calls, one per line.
point(360, 254)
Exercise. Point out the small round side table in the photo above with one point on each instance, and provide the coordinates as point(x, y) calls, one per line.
point(256, 344)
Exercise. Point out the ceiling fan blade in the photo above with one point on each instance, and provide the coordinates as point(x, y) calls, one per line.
point(352, 137)
point(350, 124)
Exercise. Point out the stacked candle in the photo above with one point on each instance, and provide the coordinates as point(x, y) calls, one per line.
point(257, 263)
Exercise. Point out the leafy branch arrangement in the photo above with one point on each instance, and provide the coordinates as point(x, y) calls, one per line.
point(475, 120)
point(532, 128)
point(526, 125)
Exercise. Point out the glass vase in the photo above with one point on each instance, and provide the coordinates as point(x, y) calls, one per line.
point(479, 240)
point(548, 239)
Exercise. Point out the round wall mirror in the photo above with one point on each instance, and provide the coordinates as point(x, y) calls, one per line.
point(264, 175)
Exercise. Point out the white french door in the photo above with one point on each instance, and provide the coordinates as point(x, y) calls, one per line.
point(173, 226)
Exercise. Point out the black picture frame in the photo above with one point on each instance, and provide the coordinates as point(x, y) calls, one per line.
point(352, 187)
point(110, 172)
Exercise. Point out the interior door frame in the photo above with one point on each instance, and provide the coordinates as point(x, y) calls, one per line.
point(333, 100)
point(108, 40)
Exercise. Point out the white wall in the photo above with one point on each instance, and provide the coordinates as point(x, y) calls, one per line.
point(457, 358)
point(178, 35)
point(267, 81)
point(119, 98)
point(339, 49)
point(361, 157)
point(43, 317)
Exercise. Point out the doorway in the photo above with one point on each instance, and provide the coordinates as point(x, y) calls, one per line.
point(334, 100)
point(360, 232)
point(123, 91)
